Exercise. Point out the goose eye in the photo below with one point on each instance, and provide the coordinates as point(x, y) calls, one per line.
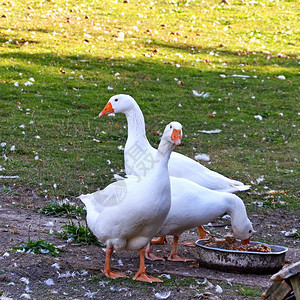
point(170, 126)
point(116, 100)
point(250, 231)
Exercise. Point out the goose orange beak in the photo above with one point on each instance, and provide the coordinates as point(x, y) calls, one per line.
point(176, 136)
point(108, 109)
point(247, 241)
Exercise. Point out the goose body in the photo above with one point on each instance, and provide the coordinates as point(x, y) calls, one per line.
point(193, 205)
point(127, 214)
point(139, 155)
point(128, 221)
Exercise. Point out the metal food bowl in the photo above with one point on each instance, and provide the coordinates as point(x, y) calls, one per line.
point(241, 261)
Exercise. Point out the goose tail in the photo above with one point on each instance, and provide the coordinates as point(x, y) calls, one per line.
point(85, 198)
point(240, 188)
point(235, 189)
point(118, 177)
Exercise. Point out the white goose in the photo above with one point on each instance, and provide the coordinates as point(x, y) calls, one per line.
point(139, 154)
point(127, 214)
point(193, 205)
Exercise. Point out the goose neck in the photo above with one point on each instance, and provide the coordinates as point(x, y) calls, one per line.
point(237, 210)
point(136, 123)
point(164, 151)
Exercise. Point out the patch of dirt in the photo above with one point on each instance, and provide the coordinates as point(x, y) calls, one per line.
point(77, 272)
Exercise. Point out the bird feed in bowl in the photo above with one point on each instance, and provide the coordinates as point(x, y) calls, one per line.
point(230, 255)
point(230, 243)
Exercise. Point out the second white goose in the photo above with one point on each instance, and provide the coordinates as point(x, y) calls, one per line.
point(193, 205)
point(139, 154)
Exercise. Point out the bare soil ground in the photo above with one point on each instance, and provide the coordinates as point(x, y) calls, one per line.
point(77, 272)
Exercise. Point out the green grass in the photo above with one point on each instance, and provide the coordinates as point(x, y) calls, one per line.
point(250, 292)
point(79, 235)
point(193, 287)
point(38, 247)
point(71, 50)
point(62, 209)
point(5, 190)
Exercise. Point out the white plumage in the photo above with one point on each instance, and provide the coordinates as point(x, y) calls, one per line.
point(179, 165)
point(193, 205)
point(127, 214)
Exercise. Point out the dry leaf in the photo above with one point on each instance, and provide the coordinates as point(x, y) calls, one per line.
point(194, 266)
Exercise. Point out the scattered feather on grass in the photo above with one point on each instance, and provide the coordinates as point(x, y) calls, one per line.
point(38, 247)
point(210, 131)
point(203, 157)
point(79, 235)
point(165, 295)
point(63, 209)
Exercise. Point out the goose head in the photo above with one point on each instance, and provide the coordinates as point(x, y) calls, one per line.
point(173, 133)
point(118, 104)
point(243, 231)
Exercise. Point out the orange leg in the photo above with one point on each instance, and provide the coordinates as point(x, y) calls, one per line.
point(173, 255)
point(149, 255)
point(189, 244)
point(202, 232)
point(107, 271)
point(141, 273)
point(159, 241)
